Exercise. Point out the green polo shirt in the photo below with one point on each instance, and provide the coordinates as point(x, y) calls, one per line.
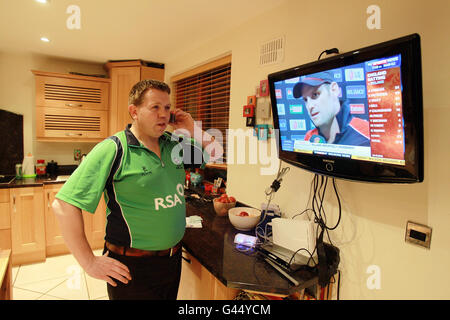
point(144, 193)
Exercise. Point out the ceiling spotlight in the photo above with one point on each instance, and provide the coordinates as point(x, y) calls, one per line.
point(43, 1)
point(44, 39)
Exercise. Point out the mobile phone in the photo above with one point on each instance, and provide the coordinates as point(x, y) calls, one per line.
point(172, 117)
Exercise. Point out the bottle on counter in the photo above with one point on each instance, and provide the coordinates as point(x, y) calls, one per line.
point(40, 168)
point(18, 171)
point(187, 181)
point(28, 170)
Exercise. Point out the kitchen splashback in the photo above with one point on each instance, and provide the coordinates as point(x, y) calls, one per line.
point(11, 141)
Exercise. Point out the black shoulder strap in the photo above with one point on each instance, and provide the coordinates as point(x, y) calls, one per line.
point(117, 159)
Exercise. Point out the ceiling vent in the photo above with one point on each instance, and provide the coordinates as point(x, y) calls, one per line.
point(272, 51)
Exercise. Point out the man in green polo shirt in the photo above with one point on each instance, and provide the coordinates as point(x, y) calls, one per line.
point(141, 175)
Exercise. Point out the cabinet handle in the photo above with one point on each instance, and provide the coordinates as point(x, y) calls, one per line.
point(48, 200)
point(14, 203)
point(69, 134)
point(74, 105)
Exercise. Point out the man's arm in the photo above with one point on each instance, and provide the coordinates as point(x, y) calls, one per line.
point(71, 223)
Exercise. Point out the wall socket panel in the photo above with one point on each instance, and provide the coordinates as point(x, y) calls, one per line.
point(418, 234)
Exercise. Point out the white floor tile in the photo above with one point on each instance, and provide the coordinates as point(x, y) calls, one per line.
point(74, 288)
point(47, 297)
point(52, 268)
point(57, 278)
point(42, 286)
point(14, 270)
point(20, 294)
point(96, 287)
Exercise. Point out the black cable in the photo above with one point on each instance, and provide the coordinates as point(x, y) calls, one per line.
point(318, 199)
point(329, 51)
point(318, 196)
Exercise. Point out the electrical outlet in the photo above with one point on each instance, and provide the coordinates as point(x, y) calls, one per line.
point(418, 234)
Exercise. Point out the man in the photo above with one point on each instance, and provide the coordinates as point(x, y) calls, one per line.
point(143, 182)
point(333, 121)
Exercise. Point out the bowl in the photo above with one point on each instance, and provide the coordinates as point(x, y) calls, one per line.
point(244, 223)
point(222, 208)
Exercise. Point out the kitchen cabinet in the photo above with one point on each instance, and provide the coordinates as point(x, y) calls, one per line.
point(197, 283)
point(123, 76)
point(5, 275)
point(26, 207)
point(94, 225)
point(29, 227)
point(54, 241)
point(71, 107)
point(5, 220)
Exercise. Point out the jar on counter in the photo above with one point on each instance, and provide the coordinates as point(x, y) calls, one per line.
point(40, 168)
point(187, 181)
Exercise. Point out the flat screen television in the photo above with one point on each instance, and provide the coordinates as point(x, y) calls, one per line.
point(356, 115)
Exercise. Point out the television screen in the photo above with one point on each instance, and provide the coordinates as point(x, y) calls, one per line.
point(357, 115)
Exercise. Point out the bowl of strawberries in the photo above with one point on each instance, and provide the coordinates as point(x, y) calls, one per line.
point(244, 218)
point(223, 203)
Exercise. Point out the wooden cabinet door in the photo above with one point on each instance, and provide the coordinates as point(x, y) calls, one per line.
point(5, 220)
point(122, 80)
point(196, 282)
point(70, 125)
point(124, 75)
point(94, 225)
point(27, 224)
point(54, 240)
point(69, 91)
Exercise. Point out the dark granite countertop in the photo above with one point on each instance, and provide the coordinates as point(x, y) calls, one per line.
point(213, 246)
point(30, 182)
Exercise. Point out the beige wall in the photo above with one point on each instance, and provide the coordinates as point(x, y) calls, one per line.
point(372, 229)
point(17, 94)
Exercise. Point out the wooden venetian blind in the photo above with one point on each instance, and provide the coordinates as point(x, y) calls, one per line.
point(205, 93)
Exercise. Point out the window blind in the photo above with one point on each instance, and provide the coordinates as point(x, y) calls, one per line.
point(206, 96)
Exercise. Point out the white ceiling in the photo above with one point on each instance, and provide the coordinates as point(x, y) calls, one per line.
point(153, 30)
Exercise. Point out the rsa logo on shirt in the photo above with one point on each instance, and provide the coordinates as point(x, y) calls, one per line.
point(170, 200)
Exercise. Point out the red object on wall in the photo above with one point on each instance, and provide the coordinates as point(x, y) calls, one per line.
point(249, 111)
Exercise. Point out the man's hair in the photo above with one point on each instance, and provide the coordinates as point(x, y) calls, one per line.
point(138, 91)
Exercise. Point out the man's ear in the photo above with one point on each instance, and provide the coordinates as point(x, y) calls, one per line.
point(132, 110)
point(334, 88)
